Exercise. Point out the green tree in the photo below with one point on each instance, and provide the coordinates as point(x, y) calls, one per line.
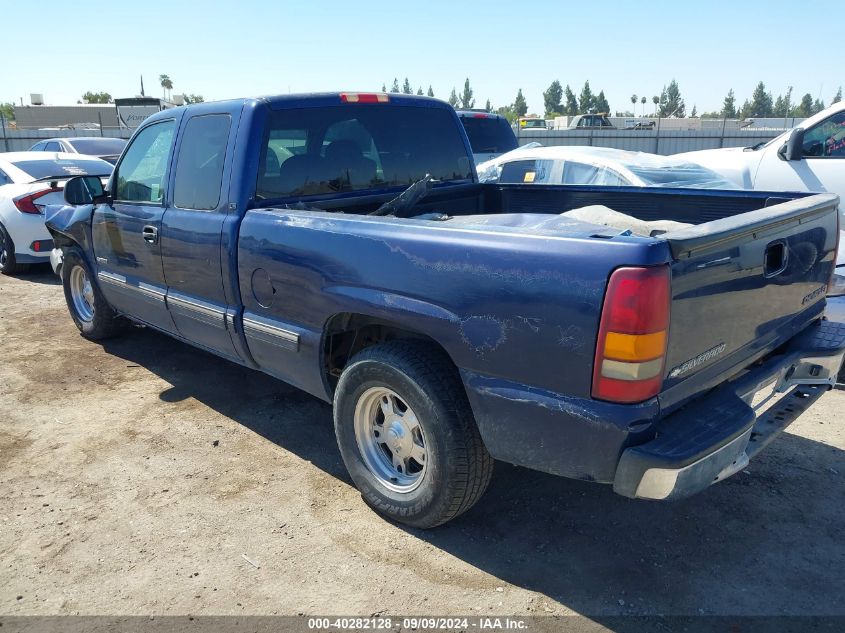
point(467, 102)
point(601, 104)
point(453, 98)
point(96, 97)
point(643, 101)
point(586, 99)
point(166, 85)
point(818, 106)
point(406, 88)
point(508, 112)
point(192, 98)
point(656, 101)
point(395, 86)
point(430, 92)
point(837, 97)
point(552, 97)
point(519, 104)
point(570, 108)
point(729, 106)
point(7, 111)
point(488, 107)
point(634, 99)
point(383, 88)
point(805, 107)
point(420, 92)
point(761, 102)
point(671, 104)
point(783, 104)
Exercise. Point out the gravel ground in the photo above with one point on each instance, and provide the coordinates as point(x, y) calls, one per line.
point(144, 476)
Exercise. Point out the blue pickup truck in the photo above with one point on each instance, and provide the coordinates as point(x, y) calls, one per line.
point(342, 243)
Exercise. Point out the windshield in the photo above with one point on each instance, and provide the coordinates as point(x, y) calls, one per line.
point(98, 146)
point(489, 134)
point(310, 151)
point(63, 168)
point(535, 123)
point(682, 175)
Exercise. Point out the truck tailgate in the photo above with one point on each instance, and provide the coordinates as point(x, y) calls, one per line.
point(744, 285)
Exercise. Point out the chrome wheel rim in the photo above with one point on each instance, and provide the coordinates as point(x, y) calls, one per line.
point(82, 293)
point(390, 439)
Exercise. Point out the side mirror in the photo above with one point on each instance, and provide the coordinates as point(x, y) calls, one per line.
point(793, 149)
point(84, 190)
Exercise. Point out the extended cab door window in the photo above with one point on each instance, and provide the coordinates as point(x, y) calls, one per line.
point(199, 168)
point(827, 139)
point(140, 175)
point(194, 226)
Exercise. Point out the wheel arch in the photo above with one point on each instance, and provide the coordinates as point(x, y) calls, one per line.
point(347, 333)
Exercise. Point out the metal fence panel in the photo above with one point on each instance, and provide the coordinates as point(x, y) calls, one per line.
point(15, 140)
point(654, 141)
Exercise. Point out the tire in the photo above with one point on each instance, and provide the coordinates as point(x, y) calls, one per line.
point(88, 308)
point(444, 468)
point(8, 265)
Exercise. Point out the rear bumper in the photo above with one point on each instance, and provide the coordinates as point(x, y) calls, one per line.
point(715, 436)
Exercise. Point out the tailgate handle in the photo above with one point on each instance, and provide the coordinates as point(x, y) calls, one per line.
point(777, 256)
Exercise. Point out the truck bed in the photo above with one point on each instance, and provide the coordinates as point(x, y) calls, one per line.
point(518, 309)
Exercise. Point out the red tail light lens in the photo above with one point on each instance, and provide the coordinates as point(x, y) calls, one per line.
point(26, 204)
point(631, 346)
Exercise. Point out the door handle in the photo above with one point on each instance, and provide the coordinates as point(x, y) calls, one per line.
point(150, 234)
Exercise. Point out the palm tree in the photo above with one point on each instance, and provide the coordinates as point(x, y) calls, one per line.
point(634, 99)
point(643, 100)
point(655, 99)
point(166, 84)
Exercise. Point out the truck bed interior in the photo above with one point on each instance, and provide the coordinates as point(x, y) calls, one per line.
point(655, 204)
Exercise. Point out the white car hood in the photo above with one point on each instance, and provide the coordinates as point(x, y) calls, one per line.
point(733, 163)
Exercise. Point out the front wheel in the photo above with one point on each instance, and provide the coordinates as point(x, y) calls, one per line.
point(88, 308)
point(407, 435)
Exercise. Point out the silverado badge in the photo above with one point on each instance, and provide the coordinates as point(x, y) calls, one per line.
point(702, 358)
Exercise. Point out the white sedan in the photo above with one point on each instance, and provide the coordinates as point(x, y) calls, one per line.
point(29, 181)
point(574, 165)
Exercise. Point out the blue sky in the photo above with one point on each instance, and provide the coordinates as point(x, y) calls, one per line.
point(252, 47)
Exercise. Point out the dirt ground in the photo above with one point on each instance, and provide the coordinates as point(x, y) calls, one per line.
point(143, 476)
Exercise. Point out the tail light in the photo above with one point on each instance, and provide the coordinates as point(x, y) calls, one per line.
point(26, 204)
point(631, 347)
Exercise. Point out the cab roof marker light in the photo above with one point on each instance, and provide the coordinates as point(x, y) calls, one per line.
point(364, 97)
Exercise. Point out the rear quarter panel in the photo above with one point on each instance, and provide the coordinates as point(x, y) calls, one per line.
point(517, 306)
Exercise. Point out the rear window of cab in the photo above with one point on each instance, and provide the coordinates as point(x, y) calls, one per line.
point(351, 147)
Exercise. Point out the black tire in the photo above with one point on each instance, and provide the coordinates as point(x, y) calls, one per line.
point(8, 265)
point(104, 322)
point(458, 466)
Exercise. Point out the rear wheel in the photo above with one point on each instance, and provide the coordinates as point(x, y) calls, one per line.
point(8, 265)
point(407, 435)
point(88, 308)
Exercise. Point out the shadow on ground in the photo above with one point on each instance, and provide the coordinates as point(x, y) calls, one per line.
point(768, 541)
point(40, 274)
